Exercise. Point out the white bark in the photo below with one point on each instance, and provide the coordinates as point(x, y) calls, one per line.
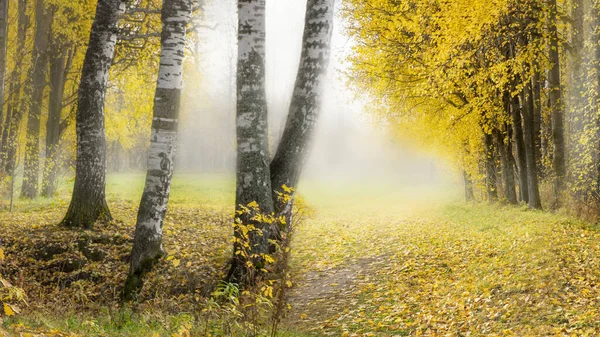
point(307, 97)
point(163, 141)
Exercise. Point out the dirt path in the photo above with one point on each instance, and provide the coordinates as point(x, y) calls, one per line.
point(320, 296)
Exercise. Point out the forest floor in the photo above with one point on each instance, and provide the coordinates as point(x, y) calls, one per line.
point(370, 261)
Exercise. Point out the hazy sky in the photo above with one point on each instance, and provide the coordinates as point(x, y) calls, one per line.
point(346, 138)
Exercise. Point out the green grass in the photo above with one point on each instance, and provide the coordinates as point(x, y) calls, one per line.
point(374, 259)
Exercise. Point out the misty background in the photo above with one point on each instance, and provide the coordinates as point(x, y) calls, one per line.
point(349, 145)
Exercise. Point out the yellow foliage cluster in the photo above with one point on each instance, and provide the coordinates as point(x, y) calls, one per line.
point(435, 71)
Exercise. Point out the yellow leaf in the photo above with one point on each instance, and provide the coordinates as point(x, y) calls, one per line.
point(1, 255)
point(176, 262)
point(8, 310)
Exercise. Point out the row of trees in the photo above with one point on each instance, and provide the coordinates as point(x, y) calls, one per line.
point(43, 45)
point(120, 24)
point(507, 90)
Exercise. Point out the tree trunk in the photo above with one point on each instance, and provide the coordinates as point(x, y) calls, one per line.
point(537, 117)
point(147, 244)
point(555, 96)
point(15, 109)
point(507, 172)
point(3, 41)
point(253, 174)
point(519, 142)
point(88, 203)
point(59, 66)
point(35, 95)
point(305, 106)
point(596, 97)
point(469, 195)
point(490, 169)
point(528, 130)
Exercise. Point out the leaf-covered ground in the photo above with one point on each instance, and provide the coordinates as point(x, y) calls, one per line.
point(374, 261)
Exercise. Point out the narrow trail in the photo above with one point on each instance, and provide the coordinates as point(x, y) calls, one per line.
point(452, 270)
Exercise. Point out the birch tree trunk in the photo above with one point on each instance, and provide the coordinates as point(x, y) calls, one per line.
point(556, 104)
point(15, 110)
point(147, 244)
point(253, 175)
point(88, 203)
point(3, 41)
point(35, 95)
point(305, 106)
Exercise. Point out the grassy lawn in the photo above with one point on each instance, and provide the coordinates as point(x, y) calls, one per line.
point(372, 260)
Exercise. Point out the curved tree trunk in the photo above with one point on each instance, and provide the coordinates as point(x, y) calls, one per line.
point(147, 244)
point(253, 175)
point(306, 101)
point(529, 129)
point(88, 203)
point(35, 95)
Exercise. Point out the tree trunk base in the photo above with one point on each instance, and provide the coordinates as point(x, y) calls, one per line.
point(85, 216)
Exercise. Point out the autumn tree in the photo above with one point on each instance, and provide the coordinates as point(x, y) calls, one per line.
point(88, 201)
point(35, 95)
point(147, 246)
point(306, 102)
point(252, 174)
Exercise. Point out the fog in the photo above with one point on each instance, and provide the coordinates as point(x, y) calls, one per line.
point(348, 145)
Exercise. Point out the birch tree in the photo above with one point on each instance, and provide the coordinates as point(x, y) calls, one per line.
point(88, 202)
point(253, 176)
point(306, 101)
point(147, 245)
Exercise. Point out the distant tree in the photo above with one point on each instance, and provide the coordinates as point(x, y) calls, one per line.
point(556, 104)
point(147, 245)
point(3, 42)
point(35, 97)
point(15, 110)
point(88, 202)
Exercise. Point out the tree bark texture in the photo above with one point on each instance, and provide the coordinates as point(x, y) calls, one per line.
point(253, 174)
point(306, 101)
point(88, 202)
point(147, 245)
